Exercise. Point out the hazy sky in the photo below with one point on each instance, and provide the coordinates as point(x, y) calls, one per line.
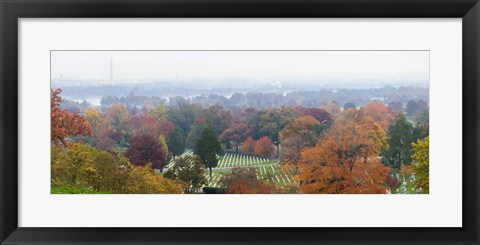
point(316, 65)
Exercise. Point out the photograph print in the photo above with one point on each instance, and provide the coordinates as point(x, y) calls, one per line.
point(239, 122)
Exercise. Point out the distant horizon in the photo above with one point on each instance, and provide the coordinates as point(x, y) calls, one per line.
point(286, 67)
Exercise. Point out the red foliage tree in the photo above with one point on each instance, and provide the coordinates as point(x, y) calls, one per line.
point(165, 127)
point(143, 124)
point(392, 183)
point(321, 115)
point(236, 133)
point(63, 123)
point(146, 149)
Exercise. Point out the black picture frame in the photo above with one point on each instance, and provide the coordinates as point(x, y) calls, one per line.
point(12, 10)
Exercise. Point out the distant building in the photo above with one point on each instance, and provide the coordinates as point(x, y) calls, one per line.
point(381, 99)
point(112, 82)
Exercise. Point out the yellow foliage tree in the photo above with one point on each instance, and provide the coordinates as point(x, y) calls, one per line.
point(421, 164)
point(85, 167)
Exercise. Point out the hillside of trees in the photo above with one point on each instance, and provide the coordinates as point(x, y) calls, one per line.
point(321, 142)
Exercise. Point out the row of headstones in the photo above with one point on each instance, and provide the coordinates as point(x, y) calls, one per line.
point(281, 174)
point(232, 160)
point(186, 153)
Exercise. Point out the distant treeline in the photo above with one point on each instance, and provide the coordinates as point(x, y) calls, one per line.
point(397, 98)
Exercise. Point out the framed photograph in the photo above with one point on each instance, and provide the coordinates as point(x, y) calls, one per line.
point(194, 122)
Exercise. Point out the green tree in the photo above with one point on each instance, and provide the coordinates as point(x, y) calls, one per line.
point(207, 149)
point(421, 164)
point(175, 142)
point(189, 171)
point(217, 118)
point(183, 115)
point(195, 133)
point(423, 122)
point(401, 134)
point(349, 105)
point(270, 122)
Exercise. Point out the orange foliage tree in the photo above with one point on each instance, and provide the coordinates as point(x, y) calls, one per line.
point(346, 160)
point(63, 123)
point(263, 147)
point(303, 132)
point(381, 113)
point(248, 145)
point(331, 108)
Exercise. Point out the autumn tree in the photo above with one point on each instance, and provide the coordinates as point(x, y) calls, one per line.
point(189, 171)
point(143, 124)
point(163, 142)
point(331, 108)
point(382, 114)
point(346, 159)
point(116, 122)
point(117, 117)
point(69, 165)
point(401, 135)
point(264, 147)
point(236, 133)
point(421, 164)
point(244, 181)
point(320, 115)
point(159, 113)
point(207, 149)
point(85, 168)
point(142, 180)
point(392, 183)
point(94, 118)
point(301, 133)
point(175, 142)
point(146, 149)
point(63, 123)
point(248, 146)
point(107, 138)
point(165, 127)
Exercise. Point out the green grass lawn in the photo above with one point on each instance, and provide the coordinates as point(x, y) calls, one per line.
point(410, 189)
point(74, 190)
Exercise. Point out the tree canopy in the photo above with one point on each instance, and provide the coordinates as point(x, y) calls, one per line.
point(207, 149)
